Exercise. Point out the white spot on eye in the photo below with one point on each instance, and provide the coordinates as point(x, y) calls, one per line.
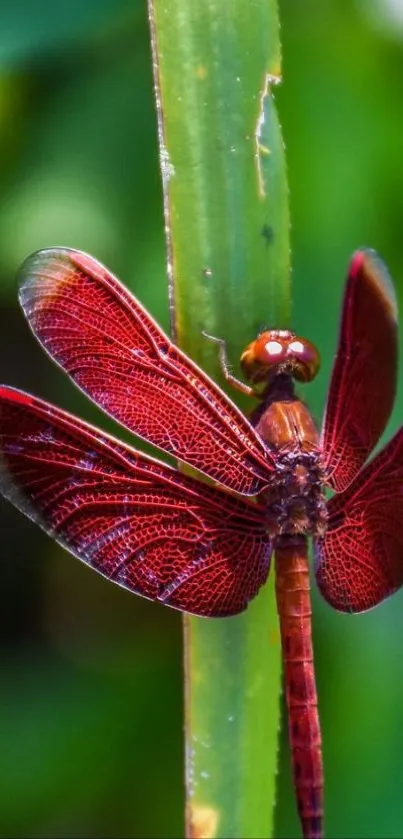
point(274, 348)
point(231, 718)
point(296, 346)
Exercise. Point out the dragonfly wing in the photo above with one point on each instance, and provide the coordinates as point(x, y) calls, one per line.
point(115, 352)
point(363, 383)
point(359, 562)
point(140, 523)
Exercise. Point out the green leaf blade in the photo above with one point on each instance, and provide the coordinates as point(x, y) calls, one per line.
point(232, 721)
point(226, 217)
point(216, 66)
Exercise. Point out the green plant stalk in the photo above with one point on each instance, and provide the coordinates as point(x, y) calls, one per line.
point(227, 227)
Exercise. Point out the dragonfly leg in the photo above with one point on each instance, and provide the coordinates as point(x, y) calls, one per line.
point(225, 366)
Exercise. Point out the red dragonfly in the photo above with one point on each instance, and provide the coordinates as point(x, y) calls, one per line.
point(204, 548)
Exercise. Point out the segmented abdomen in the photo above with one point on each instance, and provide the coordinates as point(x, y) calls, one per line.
point(294, 608)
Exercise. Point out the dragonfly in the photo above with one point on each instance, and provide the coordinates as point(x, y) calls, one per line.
point(205, 546)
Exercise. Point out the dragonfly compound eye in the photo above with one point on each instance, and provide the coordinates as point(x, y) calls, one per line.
point(280, 351)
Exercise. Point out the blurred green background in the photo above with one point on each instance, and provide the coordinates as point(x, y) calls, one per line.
point(90, 676)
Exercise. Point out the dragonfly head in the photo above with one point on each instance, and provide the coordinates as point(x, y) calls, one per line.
point(279, 351)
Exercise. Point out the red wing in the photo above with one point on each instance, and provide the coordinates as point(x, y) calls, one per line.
point(113, 350)
point(363, 383)
point(360, 560)
point(140, 523)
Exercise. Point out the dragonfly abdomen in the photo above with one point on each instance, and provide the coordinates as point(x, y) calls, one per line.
point(294, 608)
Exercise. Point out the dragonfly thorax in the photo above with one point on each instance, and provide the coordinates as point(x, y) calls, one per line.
point(284, 422)
point(286, 425)
point(297, 504)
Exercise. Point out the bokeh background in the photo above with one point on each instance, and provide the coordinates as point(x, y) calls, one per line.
point(90, 676)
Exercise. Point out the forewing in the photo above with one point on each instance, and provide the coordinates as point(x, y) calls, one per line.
point(113, 350)
point(144, 525)
point(360, 560)
point(363, 382)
